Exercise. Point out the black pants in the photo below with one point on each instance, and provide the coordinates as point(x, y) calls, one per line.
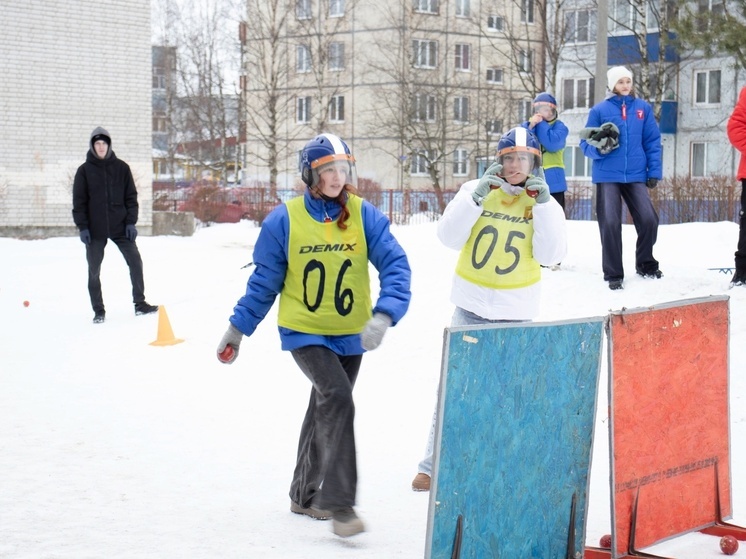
point(741, 250)
point(95, 255)
point(560, 197)
point(326, 468)
point(609, 197)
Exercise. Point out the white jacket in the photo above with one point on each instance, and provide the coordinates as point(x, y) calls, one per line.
point(549, 247)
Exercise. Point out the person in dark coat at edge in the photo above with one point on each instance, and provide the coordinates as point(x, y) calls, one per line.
point(105, 207)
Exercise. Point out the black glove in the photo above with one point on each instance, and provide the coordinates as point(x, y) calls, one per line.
point(130, 232)
point(652, 183)
point(85, 237)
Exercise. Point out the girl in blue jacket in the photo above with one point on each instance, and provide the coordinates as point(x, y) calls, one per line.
point(624, 167)
point(313, 252)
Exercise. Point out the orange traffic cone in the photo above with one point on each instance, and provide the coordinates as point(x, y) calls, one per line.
point(165, 333)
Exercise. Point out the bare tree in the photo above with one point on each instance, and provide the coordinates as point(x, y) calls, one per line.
point(636, 18)
point(204, 113)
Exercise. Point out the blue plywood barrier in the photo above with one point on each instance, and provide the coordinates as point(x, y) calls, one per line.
point(514, 439)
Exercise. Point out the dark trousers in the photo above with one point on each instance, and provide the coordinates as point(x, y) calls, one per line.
point(326, 468)
point(95, 255)
point(609, 197)
point(741, 250)
point(560, 197)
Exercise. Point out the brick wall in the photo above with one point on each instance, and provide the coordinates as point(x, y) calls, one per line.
point(67, 67)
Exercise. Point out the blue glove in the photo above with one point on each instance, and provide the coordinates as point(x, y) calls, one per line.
point(85, 237)
point(374, 330)
point(488, 180)
point(130, 232)
point(536, 187)
point(232, 338)
point(652, 183)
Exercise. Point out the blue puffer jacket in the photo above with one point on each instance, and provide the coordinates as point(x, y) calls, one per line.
point(638, 156)
point(271, 259)
point(552, 136)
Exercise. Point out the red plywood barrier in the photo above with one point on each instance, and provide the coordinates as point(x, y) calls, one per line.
point(669, 420)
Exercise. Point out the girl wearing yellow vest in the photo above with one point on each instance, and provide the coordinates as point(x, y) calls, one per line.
point(313, 252)
point(506, 226)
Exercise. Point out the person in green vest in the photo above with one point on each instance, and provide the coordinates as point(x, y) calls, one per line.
point(506, 226)
point(552, 135)
point(313, 252)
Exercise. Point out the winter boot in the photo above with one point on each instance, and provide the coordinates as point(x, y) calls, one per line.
point(739, 278)
point(99, 317)
point(145, 308)
point(312, 511)
point(345, 522)
point(421, 482)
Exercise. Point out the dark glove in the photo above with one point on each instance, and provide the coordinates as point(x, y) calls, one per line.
point(85, 237)
point(605, 138)
point(130, 232)
point(374, 330)
point(489, 179)
point(232, 338)
point(536, 187)
point(652, 183)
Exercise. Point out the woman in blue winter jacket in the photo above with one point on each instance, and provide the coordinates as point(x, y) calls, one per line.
point(313, 253)
point(624, 142)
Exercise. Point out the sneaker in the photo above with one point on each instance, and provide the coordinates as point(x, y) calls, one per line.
point(345, 523)
point(145, 308)
point(615, 284)
point(99, 317)
point(655, 274)
point(313, 512)
point(739, 279)
point(421, 482)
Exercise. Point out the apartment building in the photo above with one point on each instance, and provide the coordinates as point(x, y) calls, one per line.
point(67, 67)
point(420, 90)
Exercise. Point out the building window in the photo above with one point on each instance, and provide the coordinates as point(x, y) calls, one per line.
point(423, 108)
point(159, 122)
point(425, 53)
point(708, 8)
point(463, 8)
point(494, 127)
point(425, 6)
point(527, 11)
point(495, 23)
point(421, 162)
point(707, 87)
point(336, 56)
point(580, 26)
point(577, 165)
point(460, 163)
point(302, 59)
point(494, 75)
point(337, 109)
point(621, 16)
point(525, 61)
point(525, 109)
point(303, 109)
point(336, 8)
point(303, 9)
point(578, 94)
point(704, 159)
point(463, 58)
point(461, 109)
point(159, 77)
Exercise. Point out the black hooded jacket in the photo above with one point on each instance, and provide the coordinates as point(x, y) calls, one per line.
point(104, 194)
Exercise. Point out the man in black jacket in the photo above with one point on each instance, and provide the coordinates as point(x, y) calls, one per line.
point(105, 207)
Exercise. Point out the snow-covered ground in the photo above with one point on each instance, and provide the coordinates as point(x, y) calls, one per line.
point(114, 448)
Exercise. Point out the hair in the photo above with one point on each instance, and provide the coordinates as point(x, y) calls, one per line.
point(341, 199)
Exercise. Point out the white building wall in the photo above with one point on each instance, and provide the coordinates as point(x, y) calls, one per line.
point(67, 67)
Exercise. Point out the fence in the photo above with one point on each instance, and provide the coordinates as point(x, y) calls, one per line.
point(676, 200)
